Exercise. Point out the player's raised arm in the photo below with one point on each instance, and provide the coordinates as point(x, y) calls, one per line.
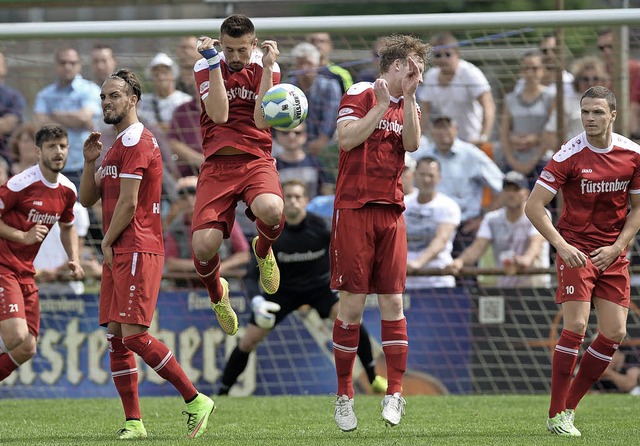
point(271, 52)
point(411, 126)
point(89, 192)
point(354, 132)
point(216, 103)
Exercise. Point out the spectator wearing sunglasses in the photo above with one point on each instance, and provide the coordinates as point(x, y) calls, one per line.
point(458, 88)
point(587, 72)
point(524, 116)
point(234, 252)
point(609, 52)
point(294, 163)
point(549, 49)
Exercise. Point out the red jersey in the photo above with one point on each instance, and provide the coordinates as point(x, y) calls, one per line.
point(26, 200)
point(134, 154)
point(595, 184)
point(240, 130)
point(371, 171)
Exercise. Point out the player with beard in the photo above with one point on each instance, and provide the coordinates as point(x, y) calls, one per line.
point(238, 164)
point(129, 183)
point(302, 250)
point(30, 204)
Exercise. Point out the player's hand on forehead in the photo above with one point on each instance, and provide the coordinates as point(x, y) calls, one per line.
point(206, 43)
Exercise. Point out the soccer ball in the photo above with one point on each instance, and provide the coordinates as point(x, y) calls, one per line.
point(284, 106)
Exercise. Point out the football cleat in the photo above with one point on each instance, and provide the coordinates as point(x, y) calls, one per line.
point(379, 384)
point(132, 430)
point(198, 412)
point(269, 271)
point(393, 408)
point(227, 318)
point(563, 425)
point(344, 415)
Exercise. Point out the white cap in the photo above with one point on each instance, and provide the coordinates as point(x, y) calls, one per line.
point(162, 59)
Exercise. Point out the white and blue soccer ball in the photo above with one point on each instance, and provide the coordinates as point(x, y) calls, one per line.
point(284, 106)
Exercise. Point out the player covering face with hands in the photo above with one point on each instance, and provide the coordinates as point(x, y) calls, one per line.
point(30, 204)
point(377, 124)
point(238, 163)
point(129, 184)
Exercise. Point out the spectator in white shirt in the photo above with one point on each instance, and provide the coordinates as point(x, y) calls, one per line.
point(516, 243)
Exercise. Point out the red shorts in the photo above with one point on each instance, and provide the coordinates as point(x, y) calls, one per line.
point(369, 250)
point(19, 300)
point(129, 289)
point(225, 180)
point(581, 284)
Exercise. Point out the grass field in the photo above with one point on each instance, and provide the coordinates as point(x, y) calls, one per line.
point(301, 420)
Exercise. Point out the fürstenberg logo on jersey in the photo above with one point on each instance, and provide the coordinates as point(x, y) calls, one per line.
point(389, 126)
point(42, 219)
point(597, 187)
point(242, 93)
point(109, 171)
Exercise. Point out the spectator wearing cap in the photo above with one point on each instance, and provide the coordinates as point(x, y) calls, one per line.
point(465, 171)
point(458, 88)
point(517, 245)
point(157, 107)
point(431, 219)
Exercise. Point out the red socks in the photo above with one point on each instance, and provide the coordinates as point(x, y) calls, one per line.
point(157, 356)
point(564, 361)
point(7, 365)
point(125, 376)
point(592, 365)
point(209, 273)
point(267, 236)
point(395, 344)
point(345, 347)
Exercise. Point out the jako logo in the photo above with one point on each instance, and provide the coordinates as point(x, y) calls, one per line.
point(587, 170)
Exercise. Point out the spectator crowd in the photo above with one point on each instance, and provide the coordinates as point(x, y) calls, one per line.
point(465, 187)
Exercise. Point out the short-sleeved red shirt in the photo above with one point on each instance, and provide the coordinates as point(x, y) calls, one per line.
point(371, 172)
point(135, 154)
point(26, 200)
point(595, 184)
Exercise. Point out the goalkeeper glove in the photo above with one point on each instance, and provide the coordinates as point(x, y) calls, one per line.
point(212, 56)
point(263, 312)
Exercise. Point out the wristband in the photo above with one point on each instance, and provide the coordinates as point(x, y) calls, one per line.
point(212, 56)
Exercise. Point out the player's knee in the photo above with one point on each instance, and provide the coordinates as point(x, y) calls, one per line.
point(614, 334)
point(204, 248)
point(25, 351)
point(270, 213)
point(16, 337)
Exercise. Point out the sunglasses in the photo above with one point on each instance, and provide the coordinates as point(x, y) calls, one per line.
point(446, 54)
point(186, 191)
point(589, 79)
point(547, 50)
point(532, 68)
point(605, 47)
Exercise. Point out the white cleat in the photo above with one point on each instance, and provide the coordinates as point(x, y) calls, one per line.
point(344, 414)
point(393, 408)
